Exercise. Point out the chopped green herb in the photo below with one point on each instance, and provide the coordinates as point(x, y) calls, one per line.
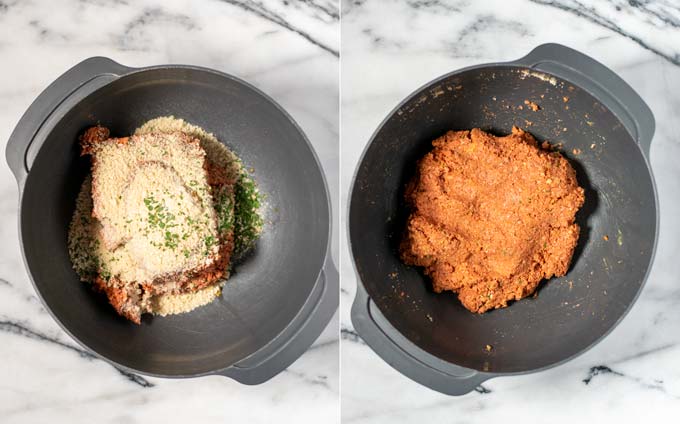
point(224, 208)
point(248, 222)
point(171, 240)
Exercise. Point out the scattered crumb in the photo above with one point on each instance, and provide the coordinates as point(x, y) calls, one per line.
point(437, 92)
point(564, 129)
point(529, 123)
point(393, 275)
point(520, 107)
point(543, 77)
point(571, 285)
point(565, 99)
point(590, 123)
point(533, 106)
point(179, 303)
point(576, 151)
point(535, 296)
point(592, 146)
point(429, 317)
point(605, 237)
point(488, 348)
point(619, 238)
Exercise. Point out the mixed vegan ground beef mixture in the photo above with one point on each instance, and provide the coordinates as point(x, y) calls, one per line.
point(162, 218)
point(490, 217)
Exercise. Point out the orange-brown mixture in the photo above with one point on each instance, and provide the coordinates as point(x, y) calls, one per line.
point(491, 216)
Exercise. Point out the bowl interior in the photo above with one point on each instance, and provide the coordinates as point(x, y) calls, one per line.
point(569, 313)
point(265, 291)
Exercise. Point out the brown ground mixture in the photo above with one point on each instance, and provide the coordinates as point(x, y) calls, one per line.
point(491, 216)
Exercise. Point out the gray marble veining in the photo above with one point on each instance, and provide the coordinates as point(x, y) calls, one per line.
point(287, 49)
point(389, 49)
point(291, 50)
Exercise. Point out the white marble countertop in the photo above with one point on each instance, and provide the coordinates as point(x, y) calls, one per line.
point(290, 51)
point(391, 48)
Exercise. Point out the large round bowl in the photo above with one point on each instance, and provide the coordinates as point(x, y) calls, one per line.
point(606, 130)
point(279, 299)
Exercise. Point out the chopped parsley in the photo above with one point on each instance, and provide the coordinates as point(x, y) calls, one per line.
point(247, 221)
point(209, 243)
point(224, 208)
point(160, 218)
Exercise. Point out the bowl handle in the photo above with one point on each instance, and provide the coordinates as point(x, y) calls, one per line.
point(407, 358)
point(599, 81)
point(52, 104)
point(295, 339)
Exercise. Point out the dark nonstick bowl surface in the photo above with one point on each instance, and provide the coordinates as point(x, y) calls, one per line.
point(266, 291)
point(570, 313)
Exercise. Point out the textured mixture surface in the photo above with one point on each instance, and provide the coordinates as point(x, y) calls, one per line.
point(155, 227)
point(151, 196)
point(233, 188)
point(157, 234)
point(491, 216)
